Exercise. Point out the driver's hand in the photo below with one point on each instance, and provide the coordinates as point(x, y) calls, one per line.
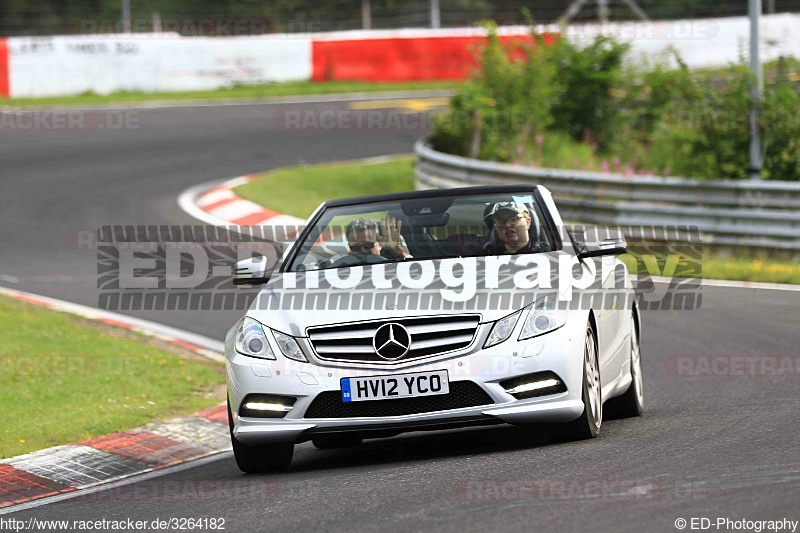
point(391, 235)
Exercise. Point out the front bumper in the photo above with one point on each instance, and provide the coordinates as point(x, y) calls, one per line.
point(557, 351)
point(259, 431)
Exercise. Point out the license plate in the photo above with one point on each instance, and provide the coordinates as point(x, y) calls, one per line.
point(397, 386)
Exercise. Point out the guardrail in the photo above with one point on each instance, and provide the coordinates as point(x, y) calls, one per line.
point(757, 214)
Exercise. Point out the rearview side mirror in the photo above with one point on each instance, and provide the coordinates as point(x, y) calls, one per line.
point(603, 241)
point(252, 271)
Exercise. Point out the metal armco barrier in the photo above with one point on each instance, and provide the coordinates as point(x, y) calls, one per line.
point(764, 215)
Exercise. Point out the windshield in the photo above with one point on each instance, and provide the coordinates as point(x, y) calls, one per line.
point(424, 228)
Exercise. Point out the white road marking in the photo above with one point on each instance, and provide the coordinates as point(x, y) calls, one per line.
point(730, 283)
point(222, 102)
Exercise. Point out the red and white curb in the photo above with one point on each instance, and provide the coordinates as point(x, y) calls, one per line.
point(65, 469)
point(220, 206)
point(79, 468)
point(84, 465)
point(216, 204)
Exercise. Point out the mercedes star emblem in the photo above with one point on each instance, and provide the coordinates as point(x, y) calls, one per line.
point(391, 341)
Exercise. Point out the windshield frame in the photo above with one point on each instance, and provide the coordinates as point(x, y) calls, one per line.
point(548, 224)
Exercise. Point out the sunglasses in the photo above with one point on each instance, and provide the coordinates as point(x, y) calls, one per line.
point(363, 245)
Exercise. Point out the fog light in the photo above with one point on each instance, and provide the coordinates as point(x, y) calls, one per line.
point(536, 385)
point(266, 406)
point(259, 406)
point(532, 385)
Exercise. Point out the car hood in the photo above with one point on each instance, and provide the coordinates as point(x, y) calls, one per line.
point(292, 302)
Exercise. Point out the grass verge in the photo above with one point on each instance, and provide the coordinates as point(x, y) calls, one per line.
point(299, 190)
point(65, 379)
point(757, 269)
point(256, 92)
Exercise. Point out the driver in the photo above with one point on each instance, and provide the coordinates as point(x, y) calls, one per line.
point(512, 221)
point(364, 237)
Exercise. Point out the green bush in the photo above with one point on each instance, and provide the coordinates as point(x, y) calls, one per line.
point(589, 82)
point(705, 131)
point(510, 103)
point(560, 105)
point(650, 91)
point(525, 89)
point(780, 123)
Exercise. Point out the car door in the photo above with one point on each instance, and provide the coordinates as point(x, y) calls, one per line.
point(609, 306)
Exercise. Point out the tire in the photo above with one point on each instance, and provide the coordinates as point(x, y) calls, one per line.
point(329, 442)
point(631, 403)
point(587, 426)
point(260, 458)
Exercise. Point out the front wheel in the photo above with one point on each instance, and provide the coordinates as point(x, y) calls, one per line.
point(256, 459)
point(587, 426)
point(631, 403)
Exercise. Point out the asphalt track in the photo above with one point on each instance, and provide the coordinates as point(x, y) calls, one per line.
point(711, 447)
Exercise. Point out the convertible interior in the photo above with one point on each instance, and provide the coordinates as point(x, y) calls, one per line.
point(430, 229)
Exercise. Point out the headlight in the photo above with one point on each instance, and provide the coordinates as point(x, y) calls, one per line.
point(502, 329)
point(251, 340)
point(289, 347)
point(543, 317)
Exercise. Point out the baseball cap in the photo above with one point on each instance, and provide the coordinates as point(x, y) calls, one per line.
point(514, 207)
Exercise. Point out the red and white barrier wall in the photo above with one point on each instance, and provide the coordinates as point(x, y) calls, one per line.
point(65, 65)
point(406, 55)
point(4, 70)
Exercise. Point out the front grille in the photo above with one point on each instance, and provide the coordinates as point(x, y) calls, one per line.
point(429, 336)
point(329, 404)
